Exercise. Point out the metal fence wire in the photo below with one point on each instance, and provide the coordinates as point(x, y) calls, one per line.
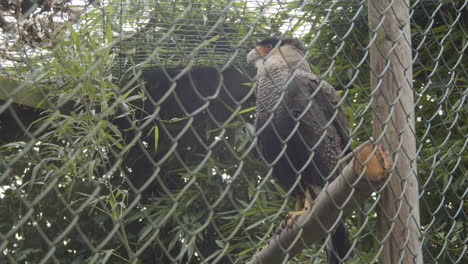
point(130, 132)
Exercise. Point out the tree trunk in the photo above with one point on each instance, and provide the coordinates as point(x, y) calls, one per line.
point(393, 126)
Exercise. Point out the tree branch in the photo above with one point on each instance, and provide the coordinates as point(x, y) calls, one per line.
point(366, 173)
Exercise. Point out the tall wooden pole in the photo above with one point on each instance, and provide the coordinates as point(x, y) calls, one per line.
point(393, 126)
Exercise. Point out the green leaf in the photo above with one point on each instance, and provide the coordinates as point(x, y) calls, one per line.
point(144, 233)
point(250, 109)
point(175, 119)
point(107, 256)
point(112, 139)
point(156, 137)
point(108, 32)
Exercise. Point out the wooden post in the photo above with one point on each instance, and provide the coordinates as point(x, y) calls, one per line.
point(393, 126)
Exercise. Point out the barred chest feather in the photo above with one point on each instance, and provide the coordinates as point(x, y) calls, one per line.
point(272, 83)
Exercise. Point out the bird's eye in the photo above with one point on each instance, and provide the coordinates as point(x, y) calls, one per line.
point(270, 46)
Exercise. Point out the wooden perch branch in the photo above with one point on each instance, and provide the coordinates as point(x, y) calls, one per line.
point(367, 172)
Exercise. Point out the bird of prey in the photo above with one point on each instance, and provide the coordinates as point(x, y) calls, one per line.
point(301, 127)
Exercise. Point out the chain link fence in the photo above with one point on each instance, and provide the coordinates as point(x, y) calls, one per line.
point(128, 128)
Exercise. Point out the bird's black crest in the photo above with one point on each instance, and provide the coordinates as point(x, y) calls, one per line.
point(278, 42)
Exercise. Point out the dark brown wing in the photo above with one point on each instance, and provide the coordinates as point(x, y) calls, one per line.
point(321, 102)
point(306, 133)
point(324, 131)
point(323, 124)
point(303, 140)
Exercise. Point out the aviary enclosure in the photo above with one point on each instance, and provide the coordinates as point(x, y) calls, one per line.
point(128, 131)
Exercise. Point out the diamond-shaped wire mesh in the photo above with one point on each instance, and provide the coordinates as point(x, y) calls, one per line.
point(128, 128)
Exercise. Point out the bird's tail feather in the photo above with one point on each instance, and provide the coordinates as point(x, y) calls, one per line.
point(338, 246)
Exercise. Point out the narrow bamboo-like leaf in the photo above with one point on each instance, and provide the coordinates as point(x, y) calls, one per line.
point(262, 221)
point(175, 119)
point(250, 109)
point(107, 256)
point(144, 233)
point(112, 139)
point(108, 32)
point(156, 137)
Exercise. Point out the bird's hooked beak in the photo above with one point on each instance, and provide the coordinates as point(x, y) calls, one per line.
point(258, 53)
point(252, 57)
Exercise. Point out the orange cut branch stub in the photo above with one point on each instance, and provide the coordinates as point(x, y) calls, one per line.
point(376, 162)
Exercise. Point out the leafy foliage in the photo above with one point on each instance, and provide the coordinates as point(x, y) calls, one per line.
point(143, 157)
